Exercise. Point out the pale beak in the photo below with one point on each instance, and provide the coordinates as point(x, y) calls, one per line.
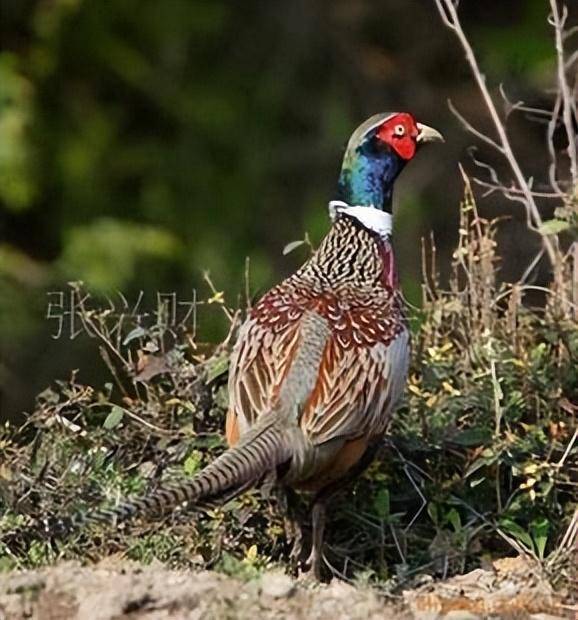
point(428, 134)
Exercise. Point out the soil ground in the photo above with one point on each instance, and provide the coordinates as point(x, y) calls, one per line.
point(116, 589)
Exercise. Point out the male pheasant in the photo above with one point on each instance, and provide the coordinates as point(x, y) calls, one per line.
point(321, 361)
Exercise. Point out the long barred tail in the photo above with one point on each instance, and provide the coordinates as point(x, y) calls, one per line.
point(260, 451)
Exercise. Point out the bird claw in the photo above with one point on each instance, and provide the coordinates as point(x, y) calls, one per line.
point(316, 563)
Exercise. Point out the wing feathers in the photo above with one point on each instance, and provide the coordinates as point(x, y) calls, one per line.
point(357, 390)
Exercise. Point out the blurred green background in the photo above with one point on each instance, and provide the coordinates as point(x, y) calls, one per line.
point(142, 142)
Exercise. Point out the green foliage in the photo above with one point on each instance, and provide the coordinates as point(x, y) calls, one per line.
point(492, 403)
point(522, 47)
point(17, 180)
point(134, 120)
point(480, 461)
point(214, 129)
point(553, 227)
point(566, 219)
point(160, 546)
point(106, 252)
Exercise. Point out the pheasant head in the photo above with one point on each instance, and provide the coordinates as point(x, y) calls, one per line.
point(375, 155)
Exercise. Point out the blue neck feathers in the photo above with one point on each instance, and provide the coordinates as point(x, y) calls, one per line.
point(367, 176)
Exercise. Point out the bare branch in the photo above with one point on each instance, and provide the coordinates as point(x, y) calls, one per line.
point(449, 15)
point(571, 60)
point(551, 149)
point(531, 267)
point(475, 132)
point(444, 15)
point(509, 107)
point(569, 33)
point(481, 164)
point(541, 115)
point(499, 187)
point(568, 105)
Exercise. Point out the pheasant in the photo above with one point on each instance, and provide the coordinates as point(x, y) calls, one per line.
point(322, 359)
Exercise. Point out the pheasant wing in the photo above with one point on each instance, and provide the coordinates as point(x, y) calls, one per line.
point(357, 389)
point(260, 362)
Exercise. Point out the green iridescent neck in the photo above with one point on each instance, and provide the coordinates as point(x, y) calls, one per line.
point(367, 177)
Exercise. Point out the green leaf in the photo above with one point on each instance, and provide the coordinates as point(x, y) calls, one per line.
point(454, 518)
point(540, 530)
point(553, 227)
point(381, 504)
point(433, 512)
point(511, 527)
point(484, 461)
point(193, 462)
point(473, 437)
point(216, 367)
point(114, 418)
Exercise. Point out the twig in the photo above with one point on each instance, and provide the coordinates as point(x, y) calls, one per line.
point(152, 427)
point(531, 267)
point(448, 12)
point(551, 148)
point(508, 191)
point(571, 60)
point(558, 20)
point(568, 540)
point(475, 132)
point(568, 449)
point(217, 295)
point(532, 287)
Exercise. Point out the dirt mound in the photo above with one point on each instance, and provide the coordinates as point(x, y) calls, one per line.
point(120, 590)
point(117, 591)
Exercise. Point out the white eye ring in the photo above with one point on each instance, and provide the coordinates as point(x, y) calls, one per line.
point(399, 130)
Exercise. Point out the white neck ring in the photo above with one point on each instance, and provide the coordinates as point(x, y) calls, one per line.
point(373, 219)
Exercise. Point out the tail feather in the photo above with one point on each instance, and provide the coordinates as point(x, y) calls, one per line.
point(261, 450)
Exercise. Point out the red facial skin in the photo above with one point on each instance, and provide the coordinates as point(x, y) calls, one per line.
point(404, 144)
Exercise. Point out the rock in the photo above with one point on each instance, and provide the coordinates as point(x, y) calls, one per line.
point(277, 585)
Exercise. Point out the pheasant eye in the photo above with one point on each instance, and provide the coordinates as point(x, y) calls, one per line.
point(399, 130)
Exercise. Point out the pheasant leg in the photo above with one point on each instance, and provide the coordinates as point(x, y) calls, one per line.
point(318, 518)
point(293, 523)
point(319, 509)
